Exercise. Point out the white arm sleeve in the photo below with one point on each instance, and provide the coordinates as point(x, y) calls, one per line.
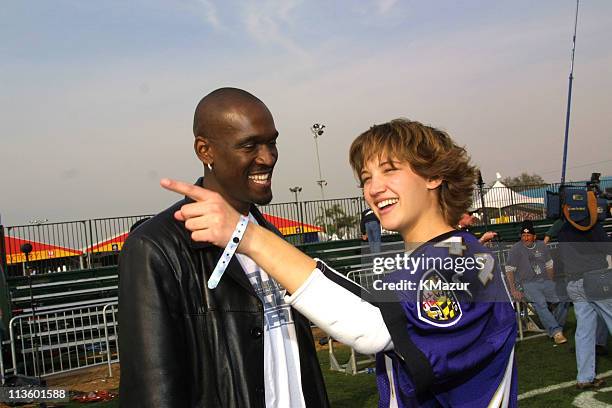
point(341, 314)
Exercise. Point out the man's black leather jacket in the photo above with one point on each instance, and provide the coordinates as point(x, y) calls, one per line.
point(183, 345)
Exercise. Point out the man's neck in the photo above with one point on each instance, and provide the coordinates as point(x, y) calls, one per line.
point(210, 183)
point(529, 245)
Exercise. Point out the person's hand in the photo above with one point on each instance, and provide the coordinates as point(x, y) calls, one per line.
point(210, 218)
point(487, 236)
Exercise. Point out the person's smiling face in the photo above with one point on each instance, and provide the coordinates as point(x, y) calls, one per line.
point(395, 192)
point(244, 155)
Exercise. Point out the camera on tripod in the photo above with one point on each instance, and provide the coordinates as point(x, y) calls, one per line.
point(595, 185)
point(581, 206)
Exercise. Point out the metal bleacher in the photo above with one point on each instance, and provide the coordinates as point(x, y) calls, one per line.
point(63, 289)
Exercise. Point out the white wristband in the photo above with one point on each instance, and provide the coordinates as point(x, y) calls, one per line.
point(228, 252)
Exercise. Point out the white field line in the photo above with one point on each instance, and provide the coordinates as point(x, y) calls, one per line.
point(587, 399)
point(555, 387)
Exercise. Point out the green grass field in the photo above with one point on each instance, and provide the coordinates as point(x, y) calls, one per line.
point(540, 364)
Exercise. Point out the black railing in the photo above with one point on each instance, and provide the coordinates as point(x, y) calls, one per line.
point(318, 220)
point(56, 247)
point(97, 242)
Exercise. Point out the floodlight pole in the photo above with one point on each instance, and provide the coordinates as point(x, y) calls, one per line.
point(485, 218)
point(569, 98)
point(317, 130)
point(296, 190)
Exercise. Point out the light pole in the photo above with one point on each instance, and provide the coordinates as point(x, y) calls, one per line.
point(482, 202)
point(38, 222)
point(296, 190)
point(26, 249)
point(317, 130)
point(569, 99)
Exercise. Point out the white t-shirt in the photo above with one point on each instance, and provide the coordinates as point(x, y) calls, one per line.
point(282, 377)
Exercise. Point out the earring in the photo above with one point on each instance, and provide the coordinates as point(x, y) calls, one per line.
point(209, 165)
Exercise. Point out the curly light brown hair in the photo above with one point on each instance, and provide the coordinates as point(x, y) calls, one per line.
point(430, 152)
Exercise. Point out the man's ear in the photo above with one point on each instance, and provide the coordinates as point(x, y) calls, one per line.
point(203, 149)
point(433, 183)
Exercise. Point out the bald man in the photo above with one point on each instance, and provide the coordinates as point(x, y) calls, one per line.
point(238, 345)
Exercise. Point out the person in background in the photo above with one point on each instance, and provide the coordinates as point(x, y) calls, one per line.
point(582, 252)
point(530, 265)
point(467, 220)
point(370, 230)
point(601, 334)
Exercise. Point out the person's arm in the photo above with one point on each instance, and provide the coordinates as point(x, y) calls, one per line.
point(211, 219)
point(553, 231)
point(517, 294)
point(511, 267)
point(327, 302)
point(152, 366)
point(550, 270)
point(286, 264)
point(331, 301)
point(338, 312)
point(487, 236)
point(456, 349)
point(336, 308)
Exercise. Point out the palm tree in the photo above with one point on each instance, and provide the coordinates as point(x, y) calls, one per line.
point(335, 220)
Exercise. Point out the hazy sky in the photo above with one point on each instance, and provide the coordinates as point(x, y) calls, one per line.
point(97, 97)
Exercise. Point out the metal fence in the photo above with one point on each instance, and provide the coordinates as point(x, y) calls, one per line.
point(322, 219)
point(56, 247)
point(86, 244)
point(97, 242)
point(47, 343)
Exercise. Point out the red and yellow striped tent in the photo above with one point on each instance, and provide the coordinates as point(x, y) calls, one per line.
point(291, 227)
point(40, 251)
point(112, 244)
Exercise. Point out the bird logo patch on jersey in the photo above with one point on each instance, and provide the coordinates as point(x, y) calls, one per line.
point(436, 305)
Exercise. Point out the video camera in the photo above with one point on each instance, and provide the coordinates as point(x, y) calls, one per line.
point(580, 206)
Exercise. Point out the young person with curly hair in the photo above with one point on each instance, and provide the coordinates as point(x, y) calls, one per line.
point(443, 332)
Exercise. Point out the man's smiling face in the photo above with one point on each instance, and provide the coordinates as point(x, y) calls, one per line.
point(244, 154)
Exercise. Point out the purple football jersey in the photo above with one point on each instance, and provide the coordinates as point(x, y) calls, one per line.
point(461, 325)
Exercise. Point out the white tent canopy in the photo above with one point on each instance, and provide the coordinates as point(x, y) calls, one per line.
point(499, 196)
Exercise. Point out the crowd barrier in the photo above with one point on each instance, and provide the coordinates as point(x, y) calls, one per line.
point(45, 343)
